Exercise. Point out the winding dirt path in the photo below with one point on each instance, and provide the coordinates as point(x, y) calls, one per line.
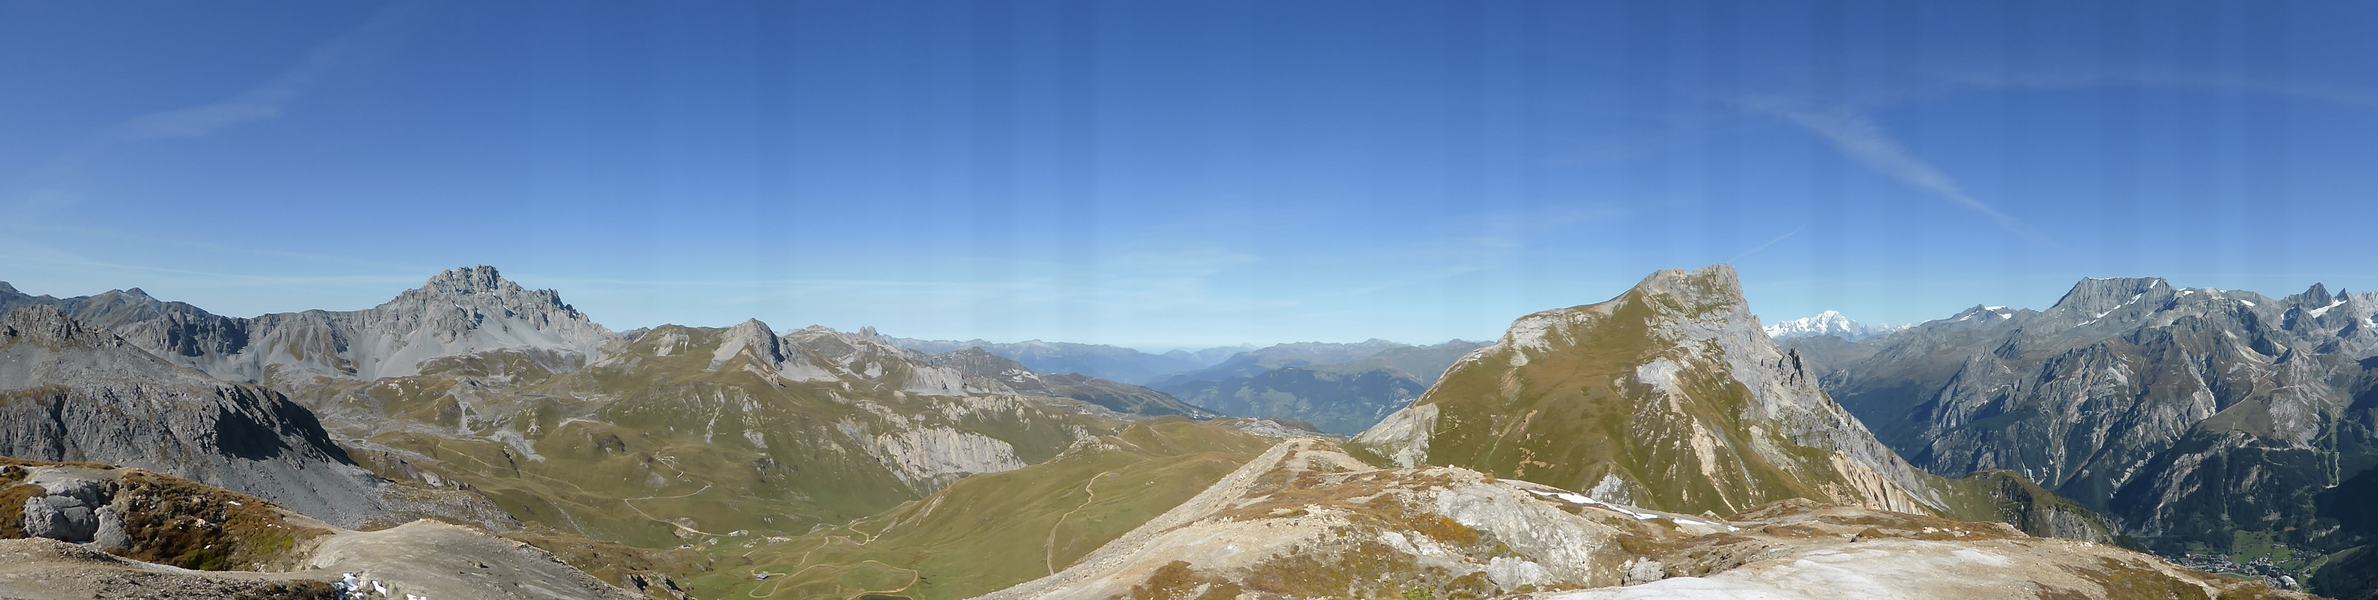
point(1049, 547)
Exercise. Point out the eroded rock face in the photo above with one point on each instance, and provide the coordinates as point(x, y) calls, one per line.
point(2185, 413)
point(1403, 437)
point(72, 393)
point(932, 457)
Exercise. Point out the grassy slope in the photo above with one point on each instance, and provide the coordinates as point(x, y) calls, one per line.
point(2008, 497)
point(991, 531)
point(1576, 413)
point(661, 451)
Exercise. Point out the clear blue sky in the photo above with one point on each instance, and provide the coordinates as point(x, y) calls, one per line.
point(1177, 174)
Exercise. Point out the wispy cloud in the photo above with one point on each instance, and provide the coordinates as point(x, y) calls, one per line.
point(2051, 79)
point(263, 101)
point(1858, 137)
point(1770, 244)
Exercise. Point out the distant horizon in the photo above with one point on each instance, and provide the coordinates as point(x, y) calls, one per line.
point(785, 325)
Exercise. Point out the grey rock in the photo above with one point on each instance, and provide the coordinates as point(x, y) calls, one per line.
point(81, 394)
point(44, 520)
point(110, 535)
point(460, 311)
point(2186, 414)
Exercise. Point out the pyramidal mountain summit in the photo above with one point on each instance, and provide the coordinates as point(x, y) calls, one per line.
point(1662, 443)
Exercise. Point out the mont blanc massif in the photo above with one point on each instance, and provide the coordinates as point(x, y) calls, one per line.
point(474, 438)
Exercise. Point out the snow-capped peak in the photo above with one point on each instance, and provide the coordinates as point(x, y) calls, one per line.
point(1831, 323)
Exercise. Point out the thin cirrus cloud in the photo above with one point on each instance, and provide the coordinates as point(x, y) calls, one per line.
point(1769, 244)
point(2070, 78)
point(263, 101)
point(1858, 137)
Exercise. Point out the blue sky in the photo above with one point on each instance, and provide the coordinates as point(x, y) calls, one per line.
point(1179, 174)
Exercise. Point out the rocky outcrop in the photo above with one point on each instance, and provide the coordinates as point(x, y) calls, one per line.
point(1403, 436)
point(933, 457)
point(73, 508)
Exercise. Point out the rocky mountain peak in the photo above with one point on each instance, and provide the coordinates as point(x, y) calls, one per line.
point(480, 277)
point(5, 288)
point(1982, 314)
point(483, 286)
point(2318, 296)
point(2098, 295)
point(750, 336)
point(1711, 287)
point(481, 291)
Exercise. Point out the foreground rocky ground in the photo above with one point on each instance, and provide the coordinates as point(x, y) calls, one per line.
point(92, 531)
point(1308, 520)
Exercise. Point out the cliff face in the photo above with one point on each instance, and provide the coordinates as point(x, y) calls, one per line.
point(2186, 414)
point(73, 393)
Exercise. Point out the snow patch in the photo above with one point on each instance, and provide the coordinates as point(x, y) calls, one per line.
point(2317, 312)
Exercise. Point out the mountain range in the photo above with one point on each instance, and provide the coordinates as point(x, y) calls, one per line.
point(1828, 323)
point(1095, 360)
point(1336, 388)
point(2203, 420)
point(1658, 444)
point(1333, 388)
